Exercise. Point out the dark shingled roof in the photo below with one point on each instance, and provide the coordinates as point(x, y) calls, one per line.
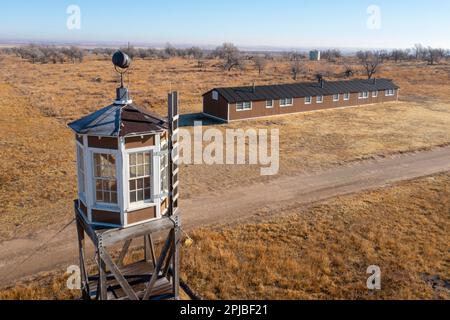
point(299, 90)
point(119, 120)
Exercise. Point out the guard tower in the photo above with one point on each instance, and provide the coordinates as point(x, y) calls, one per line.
point(127, 190)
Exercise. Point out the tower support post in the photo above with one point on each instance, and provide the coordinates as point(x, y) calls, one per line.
point(146, 279)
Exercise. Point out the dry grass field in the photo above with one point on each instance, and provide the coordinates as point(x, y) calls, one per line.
point(37, 152)
point(318, 252)
point(315, 252)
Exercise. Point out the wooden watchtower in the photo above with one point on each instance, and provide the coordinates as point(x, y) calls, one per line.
point(128, 190)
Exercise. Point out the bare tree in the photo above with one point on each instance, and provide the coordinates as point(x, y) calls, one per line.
point(74, 54)
point(435, 55)
point(260, 63)
point(331, 55)
point(419, 51)
point(370, 62)
point(295, 69)
point(230, 54)
point(348, 71)
point(170, 50)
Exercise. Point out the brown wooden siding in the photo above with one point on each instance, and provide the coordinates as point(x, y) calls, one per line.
point(99, 216)
point(103, 143)
point(141, 215)
point(215, 108)
point(139, 142)
point(259, 107)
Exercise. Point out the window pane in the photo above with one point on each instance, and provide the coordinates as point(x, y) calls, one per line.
point(98, 171)
point(99, 185)
point(147, 158)
point(147, 194)
point(133, 172)
point(140, 184)
point(140, 171)
point(112, 160)
point(114, 197)
point(132, 159)
point(132, 185)
point(140, 195)
point(147, 183)
point(107, 197)
point(140, 158)
point(133, 196)
point(147, 170)
point(99, 196)
point(113, 186)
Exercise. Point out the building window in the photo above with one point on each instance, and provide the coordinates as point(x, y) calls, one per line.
point(286, 102)
point(81, 171)
point(140, 177)
point(390, 93)
point(105, 178)
point(165, 167)
point(336, 97)
point(308, 100)
point(363, 95)
point(374, 94)
point(242, 106)
point(215, 95)
point(347, 96)
point(269, 104)
point(319, 99)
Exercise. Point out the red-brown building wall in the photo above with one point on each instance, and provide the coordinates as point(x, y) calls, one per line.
point(215, 108)
point(220, 109)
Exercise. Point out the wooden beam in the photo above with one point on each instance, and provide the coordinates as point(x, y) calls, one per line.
point(124, 252)
point(115, 271)
point(103, 293)
point(157, 270)
point(147, 253)
point(111, 237)
point(83, 268)
point(86, 227)
point(152, 249)
point(176, 262)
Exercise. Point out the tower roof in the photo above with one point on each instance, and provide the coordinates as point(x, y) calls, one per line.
point(119, 120)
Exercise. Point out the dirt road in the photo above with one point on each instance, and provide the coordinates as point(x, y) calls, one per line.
point(236, 204)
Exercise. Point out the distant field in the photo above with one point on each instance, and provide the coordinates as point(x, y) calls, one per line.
point(317, 252)
point(37, 158)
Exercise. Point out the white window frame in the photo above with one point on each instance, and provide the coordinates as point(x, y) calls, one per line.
point(81, 172)
point(308, 100)
point(102, 205)
point(215, 95)
point(363, 95)
point(129, 206)
point(390, 92)
point(319, 101)
point(336, 97)
point(347, 96)
point(374, 94)
point(243, 106)
point(150, 176)
point(271, 106)
point(284, 102)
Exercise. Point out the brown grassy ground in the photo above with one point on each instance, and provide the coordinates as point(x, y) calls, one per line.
point(37, 156)
point(319, 252)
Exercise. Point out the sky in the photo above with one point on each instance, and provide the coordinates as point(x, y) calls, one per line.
point(246, 23)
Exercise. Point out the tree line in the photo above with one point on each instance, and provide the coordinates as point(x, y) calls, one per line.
point(232, 58)
point(47, 54)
